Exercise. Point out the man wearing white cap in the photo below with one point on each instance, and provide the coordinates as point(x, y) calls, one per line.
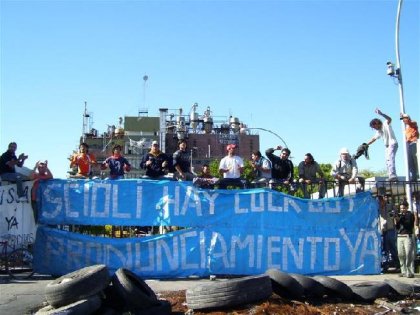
point(411, 137)
point(155, 162)
point(345, 171)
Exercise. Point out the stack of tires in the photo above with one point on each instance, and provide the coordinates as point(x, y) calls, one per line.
point(303, 287)
point(91, 290)
point(226, 293)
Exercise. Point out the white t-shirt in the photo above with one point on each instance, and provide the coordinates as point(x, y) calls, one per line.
point(387, 133)
point(233, 164)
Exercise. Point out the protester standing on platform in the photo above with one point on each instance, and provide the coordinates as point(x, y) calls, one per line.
point(231, 168)
point(385, 131)
point(84, 162)
point(155, 162)
point(117, 164)
point(281, 168)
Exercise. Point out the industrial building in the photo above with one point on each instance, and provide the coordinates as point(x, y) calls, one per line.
point(206, 137)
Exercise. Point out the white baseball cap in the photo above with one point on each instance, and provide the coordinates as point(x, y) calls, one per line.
point(344, 151)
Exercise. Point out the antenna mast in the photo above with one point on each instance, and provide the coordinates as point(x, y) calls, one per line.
point(86, 119)
point(143, 111)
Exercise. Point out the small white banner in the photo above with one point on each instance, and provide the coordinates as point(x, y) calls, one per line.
point(17, 223)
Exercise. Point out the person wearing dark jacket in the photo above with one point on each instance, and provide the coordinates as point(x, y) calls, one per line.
point(281, 168)
point(405, 222)
point(8, 161)
point(182, 163)
point(155, 162)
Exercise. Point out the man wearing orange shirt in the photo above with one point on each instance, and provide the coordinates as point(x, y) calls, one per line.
point(411, 137)
point(84, 162)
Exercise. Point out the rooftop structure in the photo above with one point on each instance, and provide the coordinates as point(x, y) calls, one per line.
point(206, 136)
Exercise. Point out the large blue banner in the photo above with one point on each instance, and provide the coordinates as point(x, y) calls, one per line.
point(225, 231)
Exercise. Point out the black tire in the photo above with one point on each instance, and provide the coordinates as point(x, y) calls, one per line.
point(106, 310)
point(164, 308)
point(334, 287)
point(19, 264)
point(113, 299)
point(285, 285)
point(401, 288)
point(311, 287)
point(77, 285)
point(370, 290)
point(416, 285)
point(133, 290)
point(83, 307)
point(229, 292)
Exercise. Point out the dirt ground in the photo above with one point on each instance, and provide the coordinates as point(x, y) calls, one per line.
point(277, 305)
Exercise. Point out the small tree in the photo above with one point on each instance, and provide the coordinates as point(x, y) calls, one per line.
point(367, 173)
point(326, 169)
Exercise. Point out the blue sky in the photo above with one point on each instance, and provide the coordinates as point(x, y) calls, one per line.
point(311, 71)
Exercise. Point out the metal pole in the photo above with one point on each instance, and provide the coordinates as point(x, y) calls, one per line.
point(402, 107)
point(284, 142)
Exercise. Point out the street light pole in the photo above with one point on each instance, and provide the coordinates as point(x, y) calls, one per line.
point(398, 75)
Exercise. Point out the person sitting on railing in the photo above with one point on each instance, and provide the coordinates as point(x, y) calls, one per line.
point(310, 173)
point(205, 180)
point(345, 172)
point(155, 162)
point(117, 164)
point(281, 168)
point(84, 162)
point(8, 161)
point(261, 167)
point(182, 162)
point(231, 167)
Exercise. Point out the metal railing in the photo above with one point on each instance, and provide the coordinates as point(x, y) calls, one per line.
point(396, 190)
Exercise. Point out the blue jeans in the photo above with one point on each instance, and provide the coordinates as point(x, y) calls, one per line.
point(413, 167)
point(390, 245)
point(390, 153)
point(16, 178)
